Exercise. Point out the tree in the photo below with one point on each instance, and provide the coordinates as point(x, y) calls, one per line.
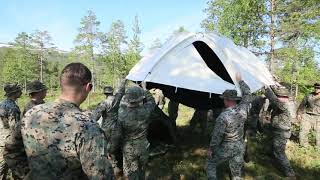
point(114, 46)
point(88, 40)
point(135, 46)
point(240, 20)
point(25, 56)
point(42, 42)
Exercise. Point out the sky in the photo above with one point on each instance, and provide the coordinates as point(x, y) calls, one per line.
point(61, 18)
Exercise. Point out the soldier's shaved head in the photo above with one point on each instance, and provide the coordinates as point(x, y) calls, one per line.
point(75, 75)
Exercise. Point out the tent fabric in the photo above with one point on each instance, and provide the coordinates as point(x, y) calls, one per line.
point(201, 63)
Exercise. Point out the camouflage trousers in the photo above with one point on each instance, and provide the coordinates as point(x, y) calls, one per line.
point(309, 122)
point(3, 165)
point(231, 152)
point(173, 108)
point(279, 143)
point(201, 118)
point(135, 158)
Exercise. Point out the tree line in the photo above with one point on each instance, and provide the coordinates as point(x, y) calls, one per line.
point(34, 56)
point(284, 33)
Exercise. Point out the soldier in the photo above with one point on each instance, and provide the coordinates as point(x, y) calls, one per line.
point(227, 142)
point(281, 124)
point(108, 109)
point(134, 115)
point(37, 92)
point(309, 115)
point(9, 120)
point(173, 108)
point(201, 117)
point(61, 142)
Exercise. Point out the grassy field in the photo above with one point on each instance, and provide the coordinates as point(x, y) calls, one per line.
point(187, 160)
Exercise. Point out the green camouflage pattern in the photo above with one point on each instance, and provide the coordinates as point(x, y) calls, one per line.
point(133, 124)
point(62, 143)
point(227, 142)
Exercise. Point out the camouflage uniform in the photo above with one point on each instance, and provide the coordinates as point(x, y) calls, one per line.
point(281, 124)
point(108, 109)
point(134, 121)
point(31, 104)
point(34, 87)
point(201, 117)
point(173, 108)
point(9, 122)
point(227, 142)
point(62, 143)
point(310, 107)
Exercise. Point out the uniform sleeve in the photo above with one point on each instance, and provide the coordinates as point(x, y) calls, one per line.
point(302, 105)
point(98, 112)
point(274, 100)
point(14, 153)
point(91, 146)
point(245, 91)
point(217, 133)
point(149, 102)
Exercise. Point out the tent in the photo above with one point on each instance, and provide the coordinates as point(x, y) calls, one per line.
point(194, 68)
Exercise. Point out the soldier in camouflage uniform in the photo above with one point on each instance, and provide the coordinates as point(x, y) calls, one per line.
point(61, 142)
point(9, 121)
point(280, 126)
point(108, 109)
point(134, 118)
point(173, 108)
point(309, 115)
point(201, 117)
point(227, 142)
point(37, 92)
point(251, 125)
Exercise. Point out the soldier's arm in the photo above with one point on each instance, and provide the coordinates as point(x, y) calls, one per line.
point(119, 94)
point(273, 99)
point(302, 105)
point(217, 133)
point(14, 153)
point(91, 146)
point(98, 112)
point(149, 102)
point(245, 91)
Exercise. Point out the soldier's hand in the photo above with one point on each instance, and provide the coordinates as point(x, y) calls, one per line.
point(238, 76)
point(144, 85)
point(109, 156)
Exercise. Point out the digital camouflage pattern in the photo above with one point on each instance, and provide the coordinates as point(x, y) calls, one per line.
point(108, 110)
point(31, 104)
point(309, 109)
point(281, 124)
point(62, 143)
point(133, 123)
point(254, 115)
point(227, 142)
point(9, 121)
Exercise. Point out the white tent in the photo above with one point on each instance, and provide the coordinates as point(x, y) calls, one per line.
point(200, 62)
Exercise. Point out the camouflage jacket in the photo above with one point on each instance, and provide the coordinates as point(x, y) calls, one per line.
point(108, 109)
point(30, 105)
point(10, 114)
point(134, 122)
point(229, 127)
point(62, 143)
point(310, 104)
point(280, 112)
